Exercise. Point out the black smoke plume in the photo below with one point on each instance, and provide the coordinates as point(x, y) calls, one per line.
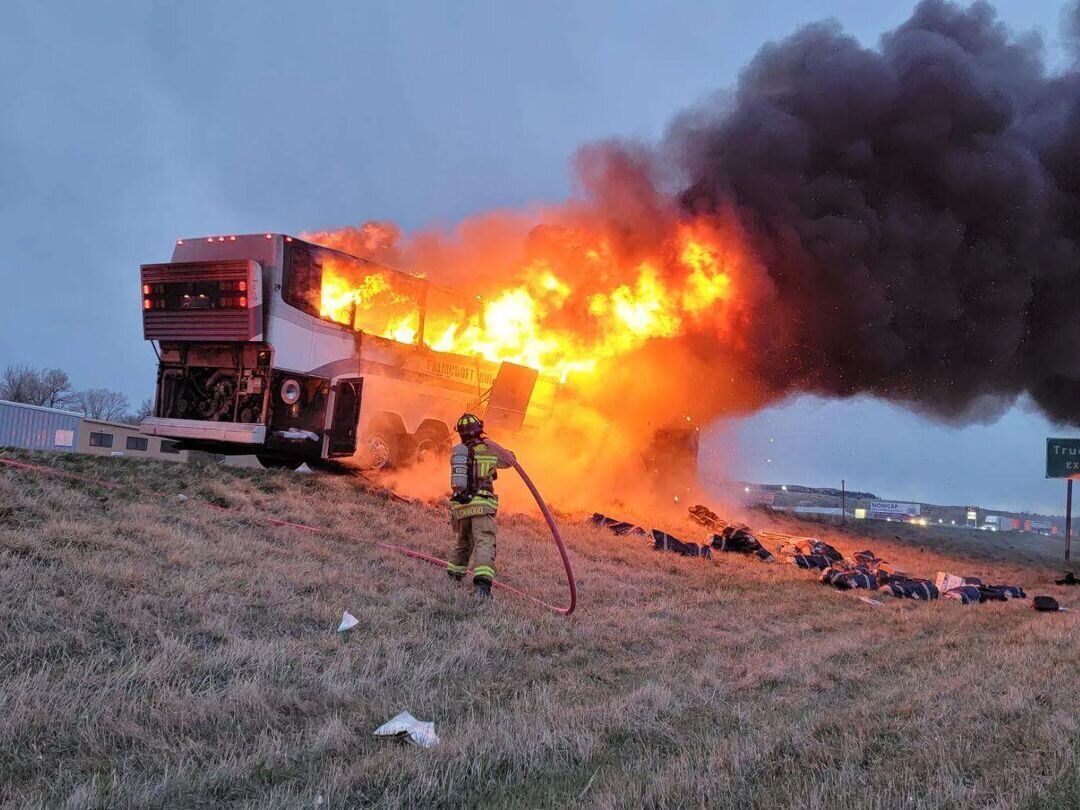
point(915, 210)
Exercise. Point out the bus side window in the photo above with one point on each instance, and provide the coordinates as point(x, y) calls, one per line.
point(303, 281)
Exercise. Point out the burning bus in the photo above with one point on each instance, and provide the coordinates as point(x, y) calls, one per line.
point(291, 351)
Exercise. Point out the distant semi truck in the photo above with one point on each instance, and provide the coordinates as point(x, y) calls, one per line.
point(293, 352)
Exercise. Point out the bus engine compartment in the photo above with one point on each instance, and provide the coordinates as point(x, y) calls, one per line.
point(217, 383)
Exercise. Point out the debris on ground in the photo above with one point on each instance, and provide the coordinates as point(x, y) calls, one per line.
point(964, 594)
point(1000, 593)
point(405, 726)
point(805, 548)
point(348, 622)
point(1069, 579)
point(1046, 604)
point(847, 578)
point(864, 571)
point(708, 518)
point(815, 561)
point(741, 541)
point(619, 527)
point(972, 590)
point(905, 587)
point(946, 582)
point(662, 541)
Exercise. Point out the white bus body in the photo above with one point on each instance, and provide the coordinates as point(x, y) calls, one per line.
point(250, 360)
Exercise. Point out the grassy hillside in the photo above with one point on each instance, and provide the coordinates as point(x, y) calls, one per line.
point(157, 652)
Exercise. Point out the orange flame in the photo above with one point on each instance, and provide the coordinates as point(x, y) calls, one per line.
point(576, 305)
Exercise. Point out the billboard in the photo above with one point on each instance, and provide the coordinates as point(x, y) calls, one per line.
point(894, 509)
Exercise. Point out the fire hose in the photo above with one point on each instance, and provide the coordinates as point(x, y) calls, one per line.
point(408, 552)
point(556, 536)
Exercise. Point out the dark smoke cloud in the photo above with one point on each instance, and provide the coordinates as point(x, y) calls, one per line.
point(915, 209)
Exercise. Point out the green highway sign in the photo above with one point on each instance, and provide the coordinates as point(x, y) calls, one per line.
point(1063, 458)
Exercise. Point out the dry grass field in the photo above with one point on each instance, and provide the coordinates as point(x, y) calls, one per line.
point(154, 652)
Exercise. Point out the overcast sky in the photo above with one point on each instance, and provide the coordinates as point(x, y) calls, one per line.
point(126, 125)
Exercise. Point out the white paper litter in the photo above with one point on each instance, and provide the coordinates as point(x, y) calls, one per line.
point(348, 622)
point(870, 601)
point(415, 731)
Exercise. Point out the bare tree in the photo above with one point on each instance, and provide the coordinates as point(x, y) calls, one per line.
point(49, 387)
point(54, 388)
point(145, 409)
point(101, 403)
point(18, 384)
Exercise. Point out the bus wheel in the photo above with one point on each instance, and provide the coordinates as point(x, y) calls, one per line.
point(383, 449)
point(429, 444)
point(277, 462)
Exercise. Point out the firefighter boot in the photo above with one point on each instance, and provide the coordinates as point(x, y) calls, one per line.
point(482, 590)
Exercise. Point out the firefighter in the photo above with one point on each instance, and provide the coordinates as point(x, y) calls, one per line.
point(473, 469)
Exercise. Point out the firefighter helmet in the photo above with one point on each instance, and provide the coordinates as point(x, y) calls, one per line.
point(469, 425)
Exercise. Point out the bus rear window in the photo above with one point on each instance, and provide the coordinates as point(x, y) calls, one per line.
point(361, 295)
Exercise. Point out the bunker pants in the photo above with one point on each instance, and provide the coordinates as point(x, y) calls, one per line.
point(476, 538)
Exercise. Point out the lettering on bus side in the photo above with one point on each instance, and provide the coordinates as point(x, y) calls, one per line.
point(443, 368)
point(457, 371)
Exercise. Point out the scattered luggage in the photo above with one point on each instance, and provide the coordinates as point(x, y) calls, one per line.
point(948, 582)
point(972, 590)
point(741, 541)
point(865, 571)
point(1046, 604)
point(619, 527)
point(972, 594)
point(813, 561)
point(846, 579)
point(910, 588)
point(1001, 593)
point(662, 541)
point(964, 594)
point(707, 518)
point(1069, 579)
point(809, 547)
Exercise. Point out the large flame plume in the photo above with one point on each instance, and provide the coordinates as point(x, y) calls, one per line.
point(605, 302)
point(898, 221)
point(570, 304)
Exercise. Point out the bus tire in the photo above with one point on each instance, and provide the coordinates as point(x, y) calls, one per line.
point(430, 442)
point(278, 462)
point(384, 448)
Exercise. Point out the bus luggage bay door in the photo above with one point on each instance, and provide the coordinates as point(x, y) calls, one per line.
point(342, 438)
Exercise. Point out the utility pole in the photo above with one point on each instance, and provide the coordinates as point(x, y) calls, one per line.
point(1068, 517)
point(843, 507)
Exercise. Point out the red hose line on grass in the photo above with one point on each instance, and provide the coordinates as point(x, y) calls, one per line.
point(408, 552)
point(22, 465)
point(417, 555)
